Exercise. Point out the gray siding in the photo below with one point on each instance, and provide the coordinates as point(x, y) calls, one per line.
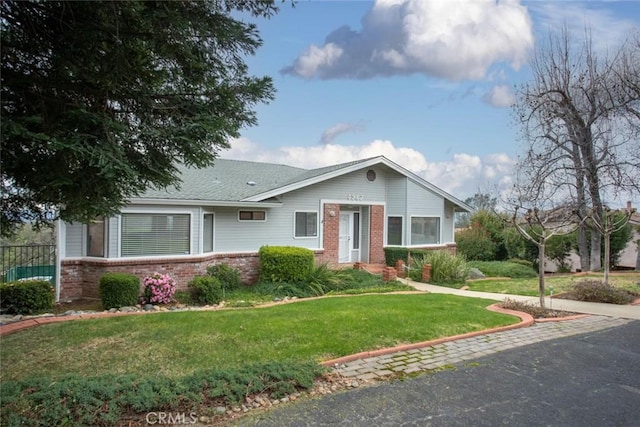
point(114, 237)
point(73, 240)
point(447, 223)
point(396, 195)
point(232, 235)
point(401, 196)
point(423, 202)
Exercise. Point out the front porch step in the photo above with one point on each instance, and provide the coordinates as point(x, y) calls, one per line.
point(374, 268)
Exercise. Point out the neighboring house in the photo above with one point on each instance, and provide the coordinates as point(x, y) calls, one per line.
point(628, 259)
point(345, 213)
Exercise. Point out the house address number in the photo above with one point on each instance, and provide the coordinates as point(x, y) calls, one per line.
point(355, 197)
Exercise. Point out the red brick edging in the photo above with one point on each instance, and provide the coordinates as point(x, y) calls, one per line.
point(525, 320)
point(30, 323)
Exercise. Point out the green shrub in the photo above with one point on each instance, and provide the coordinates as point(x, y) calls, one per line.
point(392, 255)
point(596, 291)
point(206, 289)
point(228, 276)
point(445, 267)
point(26, 297)
point(515, 270)
point(119, 290)
point(521, 262)
point(183, 297)
point(108, 400)
point(495, 226)
point(285, 263)
point(322, 279)
point(476, 244)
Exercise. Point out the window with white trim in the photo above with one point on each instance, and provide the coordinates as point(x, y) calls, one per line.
point(207, 232)
point(394, 230)
point(155, 234)
point(425, 230)
point(306, 224)
point(252, 215)
point(96, 232)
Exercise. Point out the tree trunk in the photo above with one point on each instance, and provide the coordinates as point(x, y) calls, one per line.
point(607, 253)
point(593, 184)
point(583, 247)
point(583, 241)
point(541, 271)
point(596, 250)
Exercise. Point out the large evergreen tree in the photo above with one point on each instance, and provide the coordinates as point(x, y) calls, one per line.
point(102, 99)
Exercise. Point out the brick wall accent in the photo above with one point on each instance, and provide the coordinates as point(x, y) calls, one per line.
point(331, 233)
point(400, 268)
point(376, 244)
point(389, 274)
point(79, 277)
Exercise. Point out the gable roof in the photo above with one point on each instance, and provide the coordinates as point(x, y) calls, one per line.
point(237, 182)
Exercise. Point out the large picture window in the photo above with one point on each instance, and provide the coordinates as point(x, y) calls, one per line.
point(306, 224)
point(155, 234)
point(425, 230)
point(394, 230)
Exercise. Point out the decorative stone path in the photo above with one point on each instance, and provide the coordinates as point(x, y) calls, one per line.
point(448, 353)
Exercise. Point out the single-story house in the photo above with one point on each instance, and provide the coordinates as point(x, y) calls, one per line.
point(345, 213)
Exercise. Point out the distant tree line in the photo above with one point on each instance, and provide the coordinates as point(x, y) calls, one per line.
point(490, 236)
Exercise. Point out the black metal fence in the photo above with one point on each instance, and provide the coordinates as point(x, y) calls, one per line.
point(28, 262)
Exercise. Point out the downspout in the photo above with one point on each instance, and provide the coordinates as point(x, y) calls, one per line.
point(60, 253)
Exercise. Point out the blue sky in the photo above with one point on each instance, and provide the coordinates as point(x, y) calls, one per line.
point(427, 83)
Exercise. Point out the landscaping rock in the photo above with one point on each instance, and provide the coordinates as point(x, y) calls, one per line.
point(475, 274)
point(128, 309)
point(6, 318)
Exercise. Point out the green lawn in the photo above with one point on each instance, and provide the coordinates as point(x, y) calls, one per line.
point(177, 344)
point(560, 283)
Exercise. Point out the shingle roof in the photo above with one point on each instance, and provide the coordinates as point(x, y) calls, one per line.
point(237, 181)
point(227, 180)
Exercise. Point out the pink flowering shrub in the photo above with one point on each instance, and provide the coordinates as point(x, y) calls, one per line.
point(158, 288)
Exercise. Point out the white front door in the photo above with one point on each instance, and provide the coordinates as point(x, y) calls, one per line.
point(344, 239)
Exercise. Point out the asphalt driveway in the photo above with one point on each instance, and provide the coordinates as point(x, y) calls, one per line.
point(583, 380)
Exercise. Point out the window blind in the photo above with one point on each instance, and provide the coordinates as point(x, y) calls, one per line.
point(155, 234)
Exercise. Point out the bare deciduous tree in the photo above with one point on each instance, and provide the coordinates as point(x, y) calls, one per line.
point(539, 214)
point(580, 117)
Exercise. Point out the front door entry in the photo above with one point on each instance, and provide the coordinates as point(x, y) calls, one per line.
point(344, 239)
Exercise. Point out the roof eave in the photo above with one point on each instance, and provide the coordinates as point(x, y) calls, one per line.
point(315, 180)
point(211, 203)
point(463, 207)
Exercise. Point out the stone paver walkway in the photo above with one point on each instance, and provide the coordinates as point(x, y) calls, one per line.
point(453, 352)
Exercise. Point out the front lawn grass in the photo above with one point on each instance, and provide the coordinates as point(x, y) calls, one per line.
point(178, 344)
point(559, 282)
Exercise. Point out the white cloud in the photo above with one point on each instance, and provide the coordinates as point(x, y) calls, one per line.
point(607, 30)
point(462, 176)
point(338, 129)
point(499, 96)
point(455, 40)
